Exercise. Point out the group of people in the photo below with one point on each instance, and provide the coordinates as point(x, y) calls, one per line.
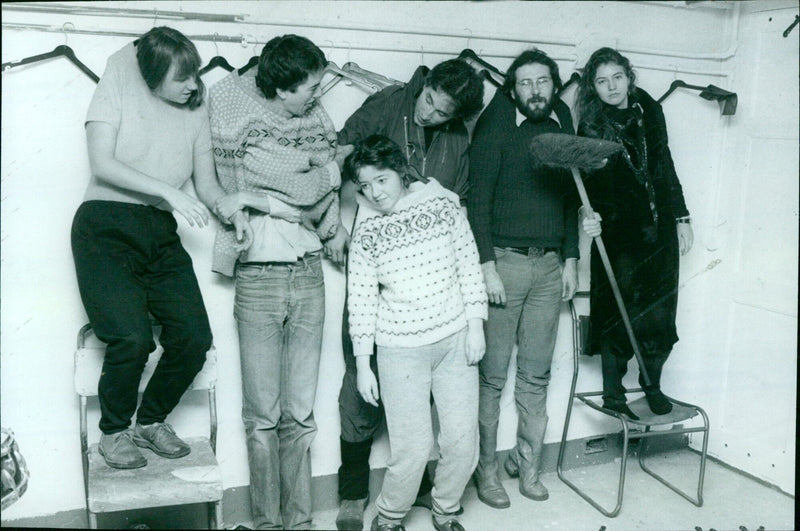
point(458, 251)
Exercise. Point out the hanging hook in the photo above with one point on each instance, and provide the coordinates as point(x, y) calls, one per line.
point(674, 72)
point(216, 48)
point(64, 29)
point(155, 16)
point(421, 54)
point(349, 49)
point(469, 37)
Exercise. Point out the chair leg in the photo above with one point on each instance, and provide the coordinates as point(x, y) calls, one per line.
point(620, 487)
point(698, 501)
point(215, 515)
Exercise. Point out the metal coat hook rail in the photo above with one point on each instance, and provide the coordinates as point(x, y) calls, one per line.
point(95, 10)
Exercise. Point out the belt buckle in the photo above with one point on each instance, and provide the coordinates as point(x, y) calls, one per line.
point(536, 252)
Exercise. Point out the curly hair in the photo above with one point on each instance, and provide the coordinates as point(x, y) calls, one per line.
point(380, 152)
point(534, 55)
point(286, 62)
point(588, 106)
point(462, 83)
point(158, 49)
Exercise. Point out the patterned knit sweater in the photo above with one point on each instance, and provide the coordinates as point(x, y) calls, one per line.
point(413, 274)
point(257, 150)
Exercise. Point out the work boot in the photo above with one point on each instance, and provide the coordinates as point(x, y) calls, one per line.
point(161, 439)
point(450, 525)
point(529, 484)
point(528, 455)
point(490, 490)
point(119, 451)
point(351, 515)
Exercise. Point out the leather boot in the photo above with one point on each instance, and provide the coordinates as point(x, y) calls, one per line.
point(490, 490)
point(658, 403)
point(529, 456)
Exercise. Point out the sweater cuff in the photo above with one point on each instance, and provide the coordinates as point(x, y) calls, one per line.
point(334, 173)
point(363, 348)
point(476, 311)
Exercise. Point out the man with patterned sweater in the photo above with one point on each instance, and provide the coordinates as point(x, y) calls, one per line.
point(426, 118)
point(525, 220)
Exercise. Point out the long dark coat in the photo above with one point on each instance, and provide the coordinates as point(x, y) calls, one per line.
point(639, 230)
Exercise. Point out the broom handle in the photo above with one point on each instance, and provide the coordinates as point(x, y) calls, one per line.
point(612, 280)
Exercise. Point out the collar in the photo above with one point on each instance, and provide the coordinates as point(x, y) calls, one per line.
point(521, 117)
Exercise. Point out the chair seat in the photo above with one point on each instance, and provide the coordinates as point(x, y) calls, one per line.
point(195, 478)
point(648, 418)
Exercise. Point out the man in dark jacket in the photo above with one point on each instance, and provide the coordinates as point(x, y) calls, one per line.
point(426, 117)
point(525, 221)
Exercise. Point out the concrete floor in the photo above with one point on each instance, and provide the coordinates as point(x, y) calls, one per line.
point(732, 501)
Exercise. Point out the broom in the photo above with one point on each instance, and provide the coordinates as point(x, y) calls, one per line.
point(560, 150)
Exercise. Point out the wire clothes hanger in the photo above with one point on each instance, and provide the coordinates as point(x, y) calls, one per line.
point(727, 100)
point(60, 51)
point(352, 68)
point(363, 80)
point(489, 72)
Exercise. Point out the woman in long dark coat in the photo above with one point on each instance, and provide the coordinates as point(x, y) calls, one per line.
point(646, 224)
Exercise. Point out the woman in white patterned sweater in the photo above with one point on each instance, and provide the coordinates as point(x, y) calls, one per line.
point(415, 289)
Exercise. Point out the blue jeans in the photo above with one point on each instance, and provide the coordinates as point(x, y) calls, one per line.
point(280, 309)
point(530, 319)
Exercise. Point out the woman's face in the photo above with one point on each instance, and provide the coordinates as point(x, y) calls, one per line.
point(175, 88)
point(299, 101)
point(383, 188)
point(611, 84)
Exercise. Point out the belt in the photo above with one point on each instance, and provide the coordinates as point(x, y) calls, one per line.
point(536, 252)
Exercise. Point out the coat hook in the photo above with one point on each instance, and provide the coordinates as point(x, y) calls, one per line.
point(349, 49)
point(469, 37)
point(65, 27)
point(421, 54)
point(216, 48)
point(155, 16)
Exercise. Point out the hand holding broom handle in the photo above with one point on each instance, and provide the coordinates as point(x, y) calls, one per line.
point(573, 152)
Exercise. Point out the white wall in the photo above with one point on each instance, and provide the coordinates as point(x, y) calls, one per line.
point(45, 170)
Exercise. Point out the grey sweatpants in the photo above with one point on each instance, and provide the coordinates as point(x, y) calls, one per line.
point(407, 378)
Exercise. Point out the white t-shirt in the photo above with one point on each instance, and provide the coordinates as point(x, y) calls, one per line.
point(153, 136)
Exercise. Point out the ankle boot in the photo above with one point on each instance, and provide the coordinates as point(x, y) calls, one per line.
point(530, 443)
point(490, 490)
point(614, 369)
point(658, 403)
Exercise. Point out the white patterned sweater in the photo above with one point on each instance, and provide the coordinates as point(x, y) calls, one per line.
point(413, 275)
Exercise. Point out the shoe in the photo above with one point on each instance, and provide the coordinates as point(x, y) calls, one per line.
point(511, 465)
point(450, 525)
point(161, 439)
point(534, 491)
point(490, 490)
point(621, 408)
point(119, 451)
point(658, 403)
point(351, 514)
point(385, 527)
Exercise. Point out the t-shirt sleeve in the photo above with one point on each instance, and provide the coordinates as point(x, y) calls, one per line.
point(106, 105)
point(202, 141)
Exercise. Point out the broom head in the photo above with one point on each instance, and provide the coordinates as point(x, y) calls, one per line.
point(559, 150)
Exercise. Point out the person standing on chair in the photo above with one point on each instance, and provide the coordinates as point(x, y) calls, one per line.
point(278, 159)
point(525, 220)
point(639, 200)
point(147, 134)
point(426, 118)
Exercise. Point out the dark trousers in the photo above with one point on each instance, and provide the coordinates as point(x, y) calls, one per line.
point(615, 366)
point(130, 263)
point(359, 422)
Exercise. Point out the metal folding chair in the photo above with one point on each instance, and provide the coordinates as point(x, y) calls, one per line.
point(631, 429)
point(195, 478)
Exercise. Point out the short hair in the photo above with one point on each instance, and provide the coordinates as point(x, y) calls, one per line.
point(462, 83)
point(382, 153)
point(160, 48)
point(286, 62)
point(588, 106)
point(534, 55)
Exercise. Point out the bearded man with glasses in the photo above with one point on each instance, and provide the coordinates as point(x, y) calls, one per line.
point(524, 219)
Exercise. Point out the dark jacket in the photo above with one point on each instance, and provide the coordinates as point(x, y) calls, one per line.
point(390, 112)
point(513, 202)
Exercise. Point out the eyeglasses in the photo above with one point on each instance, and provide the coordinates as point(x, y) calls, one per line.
point(541, 83)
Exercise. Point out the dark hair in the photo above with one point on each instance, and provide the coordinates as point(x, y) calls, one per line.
point(382, 153)
point(533, 55)
point(286, 62)
point(462, 83)
point(160, 48)
point(588, 106)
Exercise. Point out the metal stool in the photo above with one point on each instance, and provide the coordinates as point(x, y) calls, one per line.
point(195, 478)
point(631, 429)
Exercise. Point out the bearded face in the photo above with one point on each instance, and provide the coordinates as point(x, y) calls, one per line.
point(533, 91)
